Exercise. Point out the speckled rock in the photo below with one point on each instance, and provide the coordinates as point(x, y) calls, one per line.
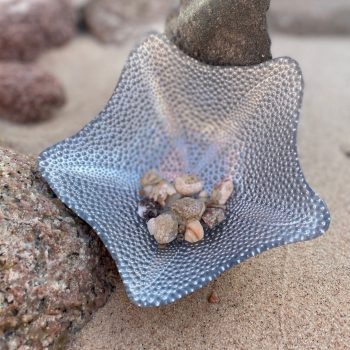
point(115, 21)
point(28, 27)
point(188, 208)
point(311, 17)
point(28, 93)
point(222, 32)
point(54, 271)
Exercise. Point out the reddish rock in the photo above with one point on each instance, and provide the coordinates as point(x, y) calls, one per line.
point(213, 298)
point(115, 21)
point(28, 93)
point(54, 271)
point(213, 217)
point(31, 26)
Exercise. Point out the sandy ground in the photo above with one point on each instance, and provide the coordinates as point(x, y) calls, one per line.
point(89, 72)
point(295, 297)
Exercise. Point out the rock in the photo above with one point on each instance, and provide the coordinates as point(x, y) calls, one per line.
point(221, 192)
point(222, 32)
point(148, 209)
point(213, 298)
point(28, 93)
point(29, 27)
point(164, 228)
point(311, 17)
point(115, 21)
point(213, 217)
point(160, 192)
point(54, 271)
point(188, 208)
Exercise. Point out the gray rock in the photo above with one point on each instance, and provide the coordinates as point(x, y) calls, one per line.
point(54, 271)
point(311, 17)
point(116, 21)
point(28, 93)
point(29, 27)
point(222, 32)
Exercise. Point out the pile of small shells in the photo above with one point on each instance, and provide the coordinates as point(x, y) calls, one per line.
point(179, 210)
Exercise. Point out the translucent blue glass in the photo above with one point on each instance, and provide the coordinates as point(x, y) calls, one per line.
point(177, 115)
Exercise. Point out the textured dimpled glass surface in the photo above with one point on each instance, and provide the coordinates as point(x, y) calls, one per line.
point(177, 115)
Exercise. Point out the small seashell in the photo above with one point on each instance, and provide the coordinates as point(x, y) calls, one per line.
point(151, 177)
point(188, 208)
point(164, 228)
point(161, 191)
point(222, 192)
point(148, 209)
point(188, 185)
point(213, 217)
point(194, 231)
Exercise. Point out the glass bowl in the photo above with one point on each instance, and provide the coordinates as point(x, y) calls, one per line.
point(178, 115)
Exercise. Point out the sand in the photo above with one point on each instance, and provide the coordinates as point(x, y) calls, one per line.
point(88, 72)
point(295, 297)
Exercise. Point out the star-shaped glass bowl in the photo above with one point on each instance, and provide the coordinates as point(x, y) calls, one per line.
point(177, 115)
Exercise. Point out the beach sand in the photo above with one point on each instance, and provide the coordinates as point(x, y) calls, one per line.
point(294, 297)
point(88, 72)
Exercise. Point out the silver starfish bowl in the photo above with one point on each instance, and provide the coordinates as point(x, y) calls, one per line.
point(174, 114)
